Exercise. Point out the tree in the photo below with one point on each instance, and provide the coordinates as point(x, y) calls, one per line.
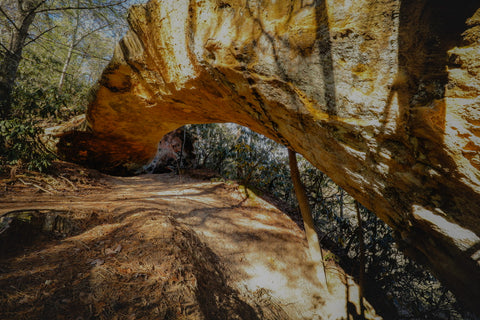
point(19, 17)
point(19, 25)
point(361, 271)
point(51, 51)
point(312, 237)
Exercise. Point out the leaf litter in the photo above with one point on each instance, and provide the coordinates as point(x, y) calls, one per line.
point(101, 253)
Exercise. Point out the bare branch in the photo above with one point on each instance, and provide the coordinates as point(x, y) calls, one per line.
point(91, 32)
point(35, 185)
point(77, 51)
point(38, 5)
point(32, 11)
point(83, 8)
point(37, 37)
point(9, 19)
point(5, 48)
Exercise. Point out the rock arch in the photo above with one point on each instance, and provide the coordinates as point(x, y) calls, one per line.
point(383, 96)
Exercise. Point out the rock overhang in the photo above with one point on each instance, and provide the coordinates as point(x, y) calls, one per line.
point(382, 97)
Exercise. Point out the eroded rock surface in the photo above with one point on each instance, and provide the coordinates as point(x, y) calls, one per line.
point(383, 96)
point(174, 151)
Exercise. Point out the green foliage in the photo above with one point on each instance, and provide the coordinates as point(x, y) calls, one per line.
point(33, 101)
point(36, 105)
point(43, 99)
point(241, 154)
point(20, 142)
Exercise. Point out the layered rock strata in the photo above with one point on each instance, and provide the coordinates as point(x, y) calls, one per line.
point(382, 96)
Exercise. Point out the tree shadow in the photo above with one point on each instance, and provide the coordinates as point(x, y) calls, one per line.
point(322, 47)
point(326, 57)
point(164, 272)
point(24, 229)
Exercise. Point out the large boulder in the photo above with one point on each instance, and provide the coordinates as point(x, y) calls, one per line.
point(382, 96)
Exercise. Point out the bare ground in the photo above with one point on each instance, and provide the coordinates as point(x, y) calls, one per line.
point(80, 245)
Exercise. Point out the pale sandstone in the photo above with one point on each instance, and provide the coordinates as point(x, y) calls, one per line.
point(383, 96)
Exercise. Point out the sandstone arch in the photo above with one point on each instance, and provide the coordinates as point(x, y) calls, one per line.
point(383, 96)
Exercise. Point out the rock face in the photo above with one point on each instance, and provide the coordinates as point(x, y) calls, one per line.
point(383, 96)
point(174, 151)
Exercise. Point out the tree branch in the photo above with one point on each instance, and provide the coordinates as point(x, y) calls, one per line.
point(89, 33)
point(34, 10)
point(77, 51)
point(35, 185)
point(31, 12)
point(5, 48)
point(37, 37)
point(8, 18)
point(83, 8)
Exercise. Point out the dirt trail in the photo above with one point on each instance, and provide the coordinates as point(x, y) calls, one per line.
point(238, 257)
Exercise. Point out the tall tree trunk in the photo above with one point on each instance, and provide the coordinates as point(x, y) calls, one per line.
point(65, 66)
point(11, 61)
point(361, 273)
point(73, 44)
point(312, 237)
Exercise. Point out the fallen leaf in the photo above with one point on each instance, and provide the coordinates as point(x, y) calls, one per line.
point(110, 251)
point(97, 262)
point(124, 270)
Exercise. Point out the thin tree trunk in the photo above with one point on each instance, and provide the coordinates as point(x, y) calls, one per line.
point(341, 203)
point(312, 237)
point(361, 273)
point(65, 67)
point(12, 58)
point(73, 44)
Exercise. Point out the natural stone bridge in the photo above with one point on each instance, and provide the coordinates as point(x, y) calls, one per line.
point(382, 96)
